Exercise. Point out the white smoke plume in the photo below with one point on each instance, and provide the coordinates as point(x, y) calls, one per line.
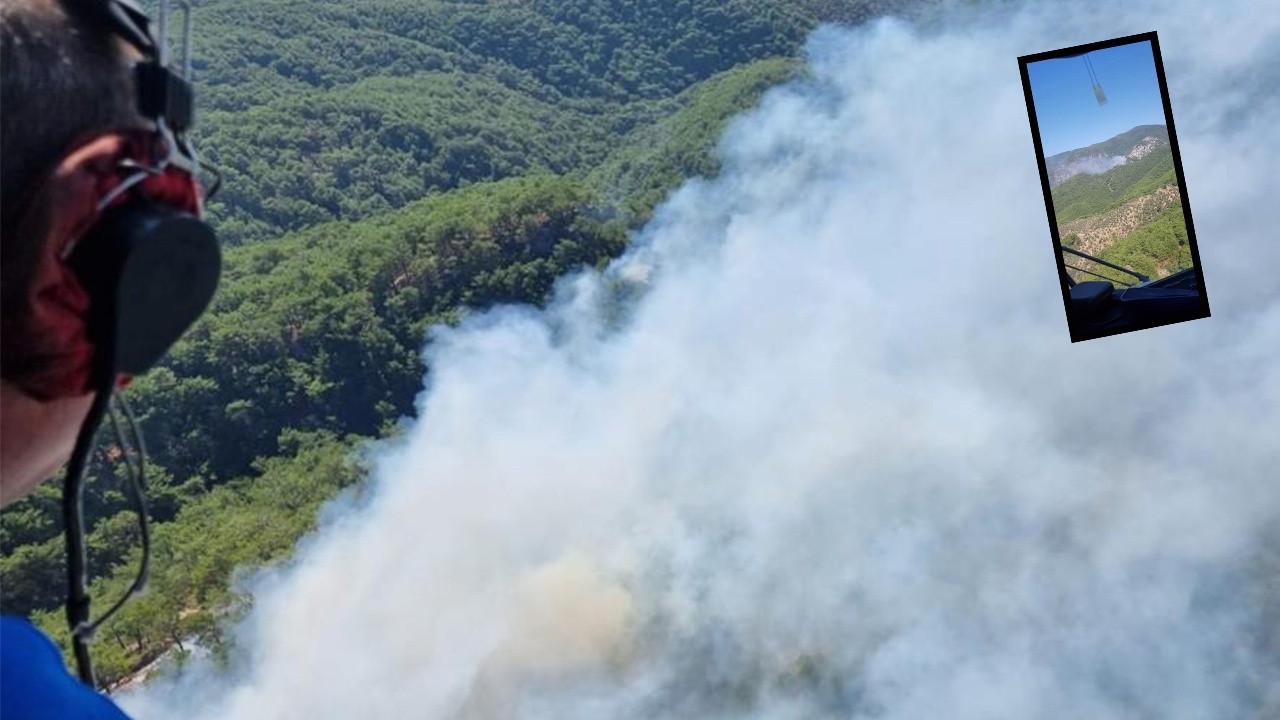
point(837, 459)
point(1098, 164)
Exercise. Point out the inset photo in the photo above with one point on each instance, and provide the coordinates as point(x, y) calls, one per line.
point(1114, 188)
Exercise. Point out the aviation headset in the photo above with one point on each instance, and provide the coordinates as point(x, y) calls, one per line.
point(149, 266)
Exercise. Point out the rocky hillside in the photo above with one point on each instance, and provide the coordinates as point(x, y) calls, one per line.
point(1143, 148)
point(1119, 200)
point(1086, 195)
point(1094, 234)
point(1100, 157)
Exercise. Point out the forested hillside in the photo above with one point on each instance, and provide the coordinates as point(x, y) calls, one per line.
point(1085, 195)
point(366, 106)
point(656, 157)
point(1059, 165)
point(1157, 249)
point(1130, 215)
point(389, 165)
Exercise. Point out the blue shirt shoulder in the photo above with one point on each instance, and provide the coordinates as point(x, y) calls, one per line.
point(35, 684)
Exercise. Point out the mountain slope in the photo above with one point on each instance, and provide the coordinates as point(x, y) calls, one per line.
point(359, 142)
point(318, 331)
point(1092, 234)
point(1127, 146)
point(654, 158)
point(1085, 195)
point(327, 109)
point(1129, 215)
point(1156, 249)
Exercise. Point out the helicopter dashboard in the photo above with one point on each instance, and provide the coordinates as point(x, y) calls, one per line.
point(1099, 309)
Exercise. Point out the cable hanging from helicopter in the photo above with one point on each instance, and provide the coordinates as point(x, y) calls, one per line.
point(1093, 77)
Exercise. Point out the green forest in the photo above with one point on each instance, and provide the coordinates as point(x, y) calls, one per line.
point(1087, 195)
point(388, 167)
point(1118, 145)
point(1156, 249)
point(367, 106)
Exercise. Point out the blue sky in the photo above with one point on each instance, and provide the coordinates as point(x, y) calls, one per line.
point(1069, 114)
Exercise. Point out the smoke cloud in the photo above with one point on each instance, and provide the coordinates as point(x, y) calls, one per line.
point(1098, 164)
point(819, 446)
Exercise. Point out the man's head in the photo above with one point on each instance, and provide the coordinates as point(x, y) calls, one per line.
point(64, 76)
point(65, 84)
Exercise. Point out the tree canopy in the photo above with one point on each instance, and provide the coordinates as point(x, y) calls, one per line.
point(389, 166)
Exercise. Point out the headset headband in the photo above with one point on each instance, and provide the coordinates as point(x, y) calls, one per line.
point(164, 96)
point(131, 23)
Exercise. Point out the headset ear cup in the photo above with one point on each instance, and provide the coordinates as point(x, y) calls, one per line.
point(151, 271)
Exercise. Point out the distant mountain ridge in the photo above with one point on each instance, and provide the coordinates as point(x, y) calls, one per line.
point(1128, 146)
point(1088, 194)
point(1119, 200)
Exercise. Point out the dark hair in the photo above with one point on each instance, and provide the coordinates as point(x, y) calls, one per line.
point(62, 76)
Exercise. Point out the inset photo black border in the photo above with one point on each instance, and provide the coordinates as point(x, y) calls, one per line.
point(1081, 329)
